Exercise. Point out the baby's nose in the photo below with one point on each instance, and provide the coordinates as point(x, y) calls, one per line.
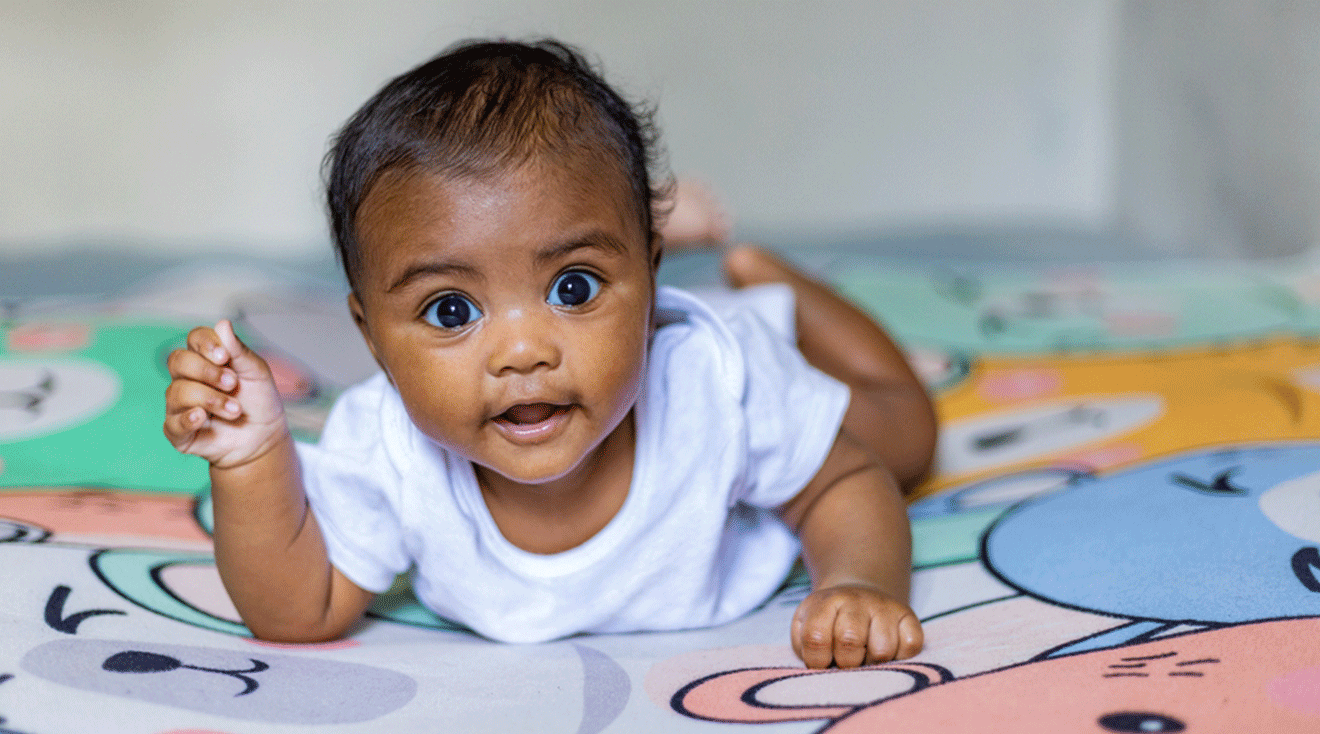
point(523, 342)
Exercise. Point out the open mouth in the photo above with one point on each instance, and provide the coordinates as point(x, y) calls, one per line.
point(531, 421)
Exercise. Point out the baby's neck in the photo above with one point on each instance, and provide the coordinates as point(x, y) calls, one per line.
point(564, 513)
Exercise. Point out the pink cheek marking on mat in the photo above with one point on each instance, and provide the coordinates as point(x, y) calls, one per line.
point(335, 645)
point(1297, 691)
point(90, 515)
point(49, 337)
point(1011, 386)
point(1105, 457)
point(291, 381)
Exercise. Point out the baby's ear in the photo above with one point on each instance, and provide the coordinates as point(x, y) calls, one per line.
point(360, 318)
point(657, 250)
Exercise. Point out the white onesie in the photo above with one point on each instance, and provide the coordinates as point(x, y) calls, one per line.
point(732, 422)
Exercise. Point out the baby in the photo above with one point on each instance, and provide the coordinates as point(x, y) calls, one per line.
point(553, 445)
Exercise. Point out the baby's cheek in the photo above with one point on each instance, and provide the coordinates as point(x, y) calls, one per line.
point(443, 408)
point(1297, 691)
point(614, 359)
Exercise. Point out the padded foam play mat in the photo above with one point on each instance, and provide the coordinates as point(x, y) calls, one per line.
point(1123, 533)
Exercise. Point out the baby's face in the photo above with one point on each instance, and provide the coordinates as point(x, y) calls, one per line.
point(512, 312)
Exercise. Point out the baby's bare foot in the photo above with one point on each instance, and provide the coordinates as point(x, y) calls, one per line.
point(746, 265)
point(698, 219)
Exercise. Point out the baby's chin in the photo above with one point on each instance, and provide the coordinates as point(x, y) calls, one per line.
point(527, 474)
point(544, 469)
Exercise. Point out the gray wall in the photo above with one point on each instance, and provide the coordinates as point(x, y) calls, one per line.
point(1183, 128)
point(1219, 126)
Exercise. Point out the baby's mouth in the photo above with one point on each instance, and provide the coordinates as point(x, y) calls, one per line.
point(531, 421)
point(522, 415)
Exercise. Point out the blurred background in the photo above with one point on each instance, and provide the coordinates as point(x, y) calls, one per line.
point(1067, 129)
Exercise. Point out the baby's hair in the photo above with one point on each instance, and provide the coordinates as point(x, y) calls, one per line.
point(483, 107)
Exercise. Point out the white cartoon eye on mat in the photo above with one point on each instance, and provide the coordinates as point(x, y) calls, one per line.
point(1001, 439)
point(1294, 506)
point(40, 397)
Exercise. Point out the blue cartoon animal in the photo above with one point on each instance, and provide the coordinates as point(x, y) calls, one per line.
point(1209, 537)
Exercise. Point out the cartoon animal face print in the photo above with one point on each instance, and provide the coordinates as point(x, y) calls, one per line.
point(1098, 411)
point(254, 685)
point(1171, 540)
point(39, 397)
point(1254, 677)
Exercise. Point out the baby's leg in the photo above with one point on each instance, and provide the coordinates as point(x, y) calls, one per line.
point(890, 412)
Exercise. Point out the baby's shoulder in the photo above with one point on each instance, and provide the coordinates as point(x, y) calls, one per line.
point(364, 416)
point(693, 350)
point(725, 333)
point(767, 307)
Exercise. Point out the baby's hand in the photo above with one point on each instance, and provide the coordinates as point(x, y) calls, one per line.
point(852, 625)
point(222, 404)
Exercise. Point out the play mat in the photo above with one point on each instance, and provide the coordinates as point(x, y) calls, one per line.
point(1123, 533)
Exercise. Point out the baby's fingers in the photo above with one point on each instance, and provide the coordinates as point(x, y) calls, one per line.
point(181, 428)
point(186, 364)
point(189, 406)
point(206, 342)
point(245, 362)
point(813, 633)
point(894, 641)
point(853, 628)
point(911, 639)
point(853, 625)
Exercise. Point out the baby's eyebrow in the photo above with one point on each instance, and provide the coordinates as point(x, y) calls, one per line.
point(594, 240)
point(434, 267)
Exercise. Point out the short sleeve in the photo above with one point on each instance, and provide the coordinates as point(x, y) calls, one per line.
point(792, 410)
point(348, 479)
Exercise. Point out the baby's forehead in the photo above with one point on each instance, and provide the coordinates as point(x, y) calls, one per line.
point(522, 209)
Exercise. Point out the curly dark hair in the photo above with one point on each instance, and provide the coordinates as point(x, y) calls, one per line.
point(482, 107)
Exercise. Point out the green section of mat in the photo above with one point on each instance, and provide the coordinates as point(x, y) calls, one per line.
point(1082, 308)
point(82, 404)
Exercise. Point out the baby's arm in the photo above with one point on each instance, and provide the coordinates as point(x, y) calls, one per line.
point(852, 517)
point(222, 406)
point(889, 413)
point(857, 546)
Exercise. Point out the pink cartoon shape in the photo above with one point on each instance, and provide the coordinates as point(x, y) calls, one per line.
point(1298, 690)
point(104, 518)
point(1263, 676)
point(1017, 385)
point(767, 695)
point(49, 337)
point(293, 382)
point(1109, 456)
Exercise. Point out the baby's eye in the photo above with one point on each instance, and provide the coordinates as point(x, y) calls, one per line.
point(451, 311)
point(573, 288)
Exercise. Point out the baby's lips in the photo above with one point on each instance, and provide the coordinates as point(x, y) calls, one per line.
point(527, 413)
